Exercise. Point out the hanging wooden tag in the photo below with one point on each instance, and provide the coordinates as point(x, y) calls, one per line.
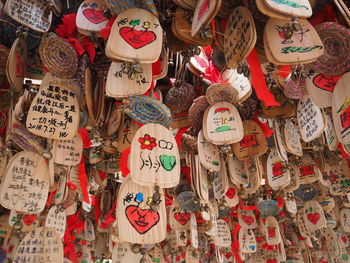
point(332, 243)
point(54, 113)
point(292, 138)
point(144, 225)
point(83, 253)
point(61, 189)
point(330, 134)
point(231, 196)
point(240, 36)
point(294, 179)
point(313, 216)
point(239, 82)
point(222, 124)
point(291, 205)
point(68, 152)
point(221, 92)
point(341, 109)
point(247, 241)
point(193, 231)
point(344, 219)
point(281, 150)
point(201, 180)
point(205, 10)
point(192, 255)
point(246, 218)
point(278, 174)
point(304, 45)
point(89, 230)
point(326, 202)
point(25, 185)
point(122, 85)
point(123, 253)
point(16, 65)
point(3, 162)
point(56, 219)
point(295, 8)
point(155, 157)
point(50, 250)
point(136, 35)
point(237, 172)
point(310, 119)
point(220, 183)
point(222, 237)
point(320, 88)
point(208, 153)
point(253, 143)
point(272, 231)
point(308, 170)
point(90, 18)
point(179, 219)
point(199, 62)
point(35, 14)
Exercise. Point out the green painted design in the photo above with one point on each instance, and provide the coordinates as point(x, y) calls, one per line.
point(135, 22)
point(345, 256)
point(290, 4)
point(243, 176)
point(156, 259)
point(215, 163)
point(168, 161)
point(223, 128)
point(287, 50)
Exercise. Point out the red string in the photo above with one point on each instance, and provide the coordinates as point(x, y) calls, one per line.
point(83, 181)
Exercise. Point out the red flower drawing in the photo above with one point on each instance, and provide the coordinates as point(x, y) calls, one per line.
point(147, 142)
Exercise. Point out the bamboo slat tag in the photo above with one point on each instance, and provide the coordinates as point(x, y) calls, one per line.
point(137, 222)
point(120, 85)
point(193, 231)
point(204, 11)
point(240, 36)
point(247, 241)
point(3, 162)
point(56, 219)
point(292, 138)
point(313, 216)
point(332, 243)
point(208, 153)
point(294, 179)
point(341, 109)
point(344, 219)
point(330, 134)
point(237, 172)
point(295, 8)
point(278, 173)
point(136, 35)
point(253, 143)
point(308, 170)
point(179, 219)
point(16, 65)
point(34, 14)
point(54, 113)
point(201, 180)
point(281, 150)
point(222, 124)
point(304, 46)
point(222, 237)
point(52, 249)
point(90, 18)
point(18, 191)
point(68, 152)
point(155, 157)
point(239, 82)
point(200, 62)
point(310, 119)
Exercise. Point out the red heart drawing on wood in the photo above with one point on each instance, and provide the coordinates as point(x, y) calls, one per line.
point(29, 219)
point(141, 219)
point(182, 218)
point(135, 38)
point(271, 260)
point(94, 16)
point(325, 82)
point(344, 239)
point(313, 218)
point(248, 219)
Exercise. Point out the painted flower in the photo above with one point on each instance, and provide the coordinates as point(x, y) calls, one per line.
point(147, 142)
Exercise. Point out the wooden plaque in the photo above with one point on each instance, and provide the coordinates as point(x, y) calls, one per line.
point(205, 9)
point(247, 219)
point(247, 241)
point(278, 174)
point(119, 85)
point(25, 185)
point(54, 113)
point(308, 171)
point(237, 172)
point(136, 35)
point(272, 231)
point(68, 152)
point(35, 14)
point(179, 219)
point(295, 8)
point(56, 220)
point(239, 82)
point(43, 244)
point(137, 222)
point(292, 138)
point(208, 153)
point(222, 124)
point(313, 216)
point(222, 237)
point(154, 157)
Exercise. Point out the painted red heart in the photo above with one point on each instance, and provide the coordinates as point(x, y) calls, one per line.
point(230, 193)
point(182, 218)
point(94, 16)
point(202, 62)
point(313, 218)
point(141, 219)
point(344, 239)
point(248, 219)
point(271, 260)
point(135, 38)
point(324, 82)
point(29, 219)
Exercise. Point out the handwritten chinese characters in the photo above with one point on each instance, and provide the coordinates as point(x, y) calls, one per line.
point(56, 219)
point(40, 246)
point(35, 14)
point(54, 113)
point(68, 152)
point(26, 183)
point(223, 234)
point(155, 157)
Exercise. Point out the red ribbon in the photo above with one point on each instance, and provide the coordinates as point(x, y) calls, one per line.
point(85, 137)
point(344, 155)
point(178, 136)
point(106, 31)
point(109, 217)
point(71, 185)
point(235, 243)
point(263, 125)
point(258, 80)
point(83, 181)
point(124, 162)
